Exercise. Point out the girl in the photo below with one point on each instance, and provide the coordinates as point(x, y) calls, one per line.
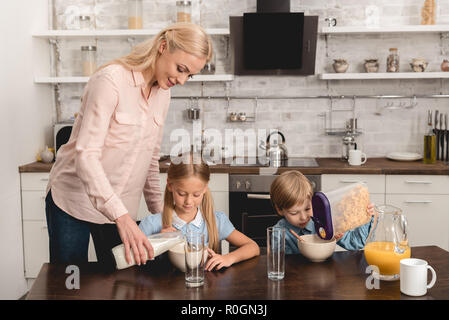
point(188, 204)
point(112, 155)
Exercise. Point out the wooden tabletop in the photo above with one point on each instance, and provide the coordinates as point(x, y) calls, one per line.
point(340, 277)
point(325, 166)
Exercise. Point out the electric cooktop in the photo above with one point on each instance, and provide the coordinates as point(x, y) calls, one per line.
point(291, 162)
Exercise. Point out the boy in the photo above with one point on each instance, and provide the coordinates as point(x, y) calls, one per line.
point(291, 196)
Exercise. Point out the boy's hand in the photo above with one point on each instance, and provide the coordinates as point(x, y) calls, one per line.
point(339, 236)
point(370, 209)
point(217, 261)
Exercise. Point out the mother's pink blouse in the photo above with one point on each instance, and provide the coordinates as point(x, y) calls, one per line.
point(112, 154)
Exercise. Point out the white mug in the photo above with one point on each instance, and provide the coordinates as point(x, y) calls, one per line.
point(355, 157)
point(413, 277)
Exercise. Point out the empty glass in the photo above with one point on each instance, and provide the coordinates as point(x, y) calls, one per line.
point(275, 253)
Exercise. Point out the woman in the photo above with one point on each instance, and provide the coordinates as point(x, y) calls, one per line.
point(112, 155)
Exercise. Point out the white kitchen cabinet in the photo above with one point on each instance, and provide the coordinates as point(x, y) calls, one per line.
point(34, 223)
point(424, 200)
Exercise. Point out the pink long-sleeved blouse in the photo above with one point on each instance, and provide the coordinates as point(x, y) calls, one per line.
point(113, 151)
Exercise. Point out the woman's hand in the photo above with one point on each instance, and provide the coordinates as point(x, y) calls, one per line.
point(133, 238)
point(217, 261)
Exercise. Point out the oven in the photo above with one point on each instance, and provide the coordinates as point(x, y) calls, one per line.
point(250, 209)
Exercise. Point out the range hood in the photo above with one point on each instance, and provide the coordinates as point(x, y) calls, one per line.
point(273, 41)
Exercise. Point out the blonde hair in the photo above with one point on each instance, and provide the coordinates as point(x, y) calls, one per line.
point(290, 188)
point(187, 37)
point(184, 170)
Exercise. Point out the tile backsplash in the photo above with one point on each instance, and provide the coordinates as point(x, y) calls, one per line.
point(302, 121)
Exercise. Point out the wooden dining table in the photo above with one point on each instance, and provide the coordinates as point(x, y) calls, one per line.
point(341, 277)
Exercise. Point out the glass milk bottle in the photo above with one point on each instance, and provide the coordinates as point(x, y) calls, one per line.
point(387, 243)
point(135, 14)
point(89, 59)
point(184, 11)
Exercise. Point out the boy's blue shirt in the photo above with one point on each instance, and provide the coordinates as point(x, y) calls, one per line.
point(352, 240)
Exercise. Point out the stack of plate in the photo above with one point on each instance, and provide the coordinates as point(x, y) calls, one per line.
point(404, 156)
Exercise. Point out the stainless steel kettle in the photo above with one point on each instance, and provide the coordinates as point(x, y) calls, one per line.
point(276, 151)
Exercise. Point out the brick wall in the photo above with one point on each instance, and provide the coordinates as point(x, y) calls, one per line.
point(301, 120)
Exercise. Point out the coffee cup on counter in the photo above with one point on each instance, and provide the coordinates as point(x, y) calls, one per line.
point(413, 275)
point(355, 157)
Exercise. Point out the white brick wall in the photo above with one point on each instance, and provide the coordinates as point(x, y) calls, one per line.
point(299, 120)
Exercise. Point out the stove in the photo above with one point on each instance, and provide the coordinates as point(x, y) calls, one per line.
point(256, 162)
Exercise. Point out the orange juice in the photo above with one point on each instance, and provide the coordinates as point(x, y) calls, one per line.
point(382, 255)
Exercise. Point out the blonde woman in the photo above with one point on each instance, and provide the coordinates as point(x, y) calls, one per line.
point(112, 155)
point(188, 204)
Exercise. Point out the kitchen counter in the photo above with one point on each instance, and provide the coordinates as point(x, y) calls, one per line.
point(325, 166)
point(342, 276)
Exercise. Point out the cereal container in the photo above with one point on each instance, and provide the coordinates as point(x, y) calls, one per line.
point(340, 210)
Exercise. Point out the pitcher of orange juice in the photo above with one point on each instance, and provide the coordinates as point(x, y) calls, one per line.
point(387, 242)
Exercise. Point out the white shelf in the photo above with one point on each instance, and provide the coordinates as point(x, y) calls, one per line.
point(388, 29)
point(386, 75)
point(53, 34)
point(197, 78)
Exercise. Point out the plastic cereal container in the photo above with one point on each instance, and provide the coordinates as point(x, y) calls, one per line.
point(340, 210)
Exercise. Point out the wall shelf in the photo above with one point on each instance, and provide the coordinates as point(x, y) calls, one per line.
point(384, 75)
point(387, 29)
point(72, 34)
point(196, 78)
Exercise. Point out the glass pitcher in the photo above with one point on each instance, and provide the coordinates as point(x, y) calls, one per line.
point(387, 242)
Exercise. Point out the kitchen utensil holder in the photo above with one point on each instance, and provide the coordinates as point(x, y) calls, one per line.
point(330, 130)
point(193, 111)
point(240, 117)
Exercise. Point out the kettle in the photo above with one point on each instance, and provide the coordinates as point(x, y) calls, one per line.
point(276, 152)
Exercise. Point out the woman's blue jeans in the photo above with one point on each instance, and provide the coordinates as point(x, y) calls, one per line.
point(69, 237)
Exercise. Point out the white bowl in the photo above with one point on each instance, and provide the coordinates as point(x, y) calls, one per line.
point(176, 255)
point(316, 249)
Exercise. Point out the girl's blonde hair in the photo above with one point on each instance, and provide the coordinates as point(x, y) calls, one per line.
point(184, 170)
point(289, 189)
point(188, 37)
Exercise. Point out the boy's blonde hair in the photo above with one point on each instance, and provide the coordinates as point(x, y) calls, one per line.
point(289, 189)
point(184, 170)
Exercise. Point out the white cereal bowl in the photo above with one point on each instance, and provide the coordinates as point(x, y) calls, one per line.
point(316, 249)
point(176, 255)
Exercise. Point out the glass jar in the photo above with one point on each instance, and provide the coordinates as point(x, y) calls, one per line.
point(89, 59)
point(393, 60)
point(135, 14)
point(184, 11)
point(429, 12)
point(209, 67)
point(84, 22)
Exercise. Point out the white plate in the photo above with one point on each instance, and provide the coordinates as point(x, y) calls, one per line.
point(404, 156)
